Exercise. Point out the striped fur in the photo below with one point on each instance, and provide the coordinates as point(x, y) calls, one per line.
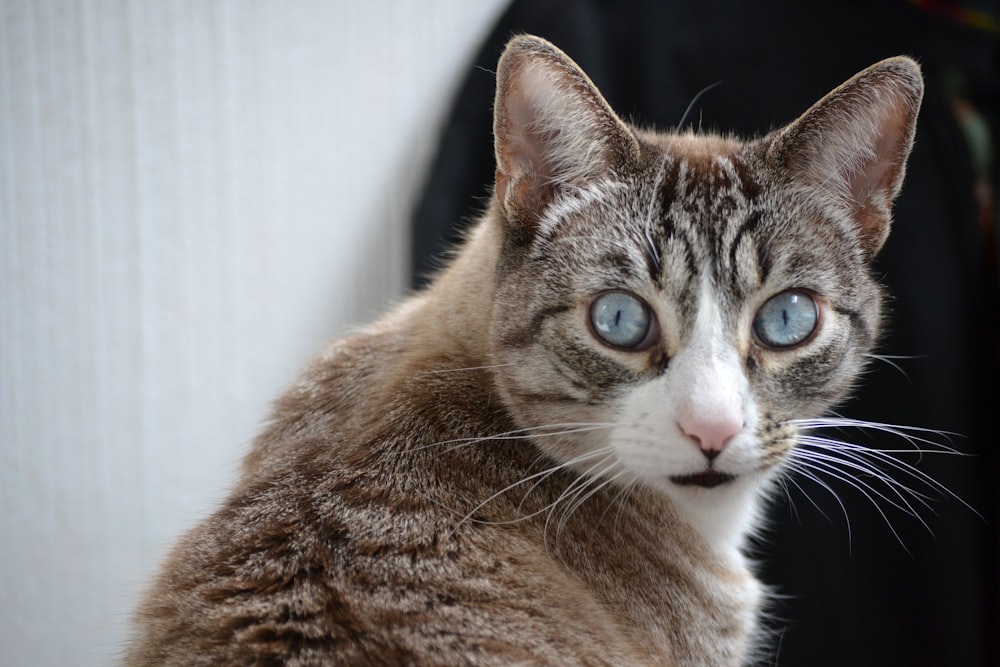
point(479, 479)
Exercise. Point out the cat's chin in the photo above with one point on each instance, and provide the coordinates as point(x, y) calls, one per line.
point(722, 506)
point(707, 479)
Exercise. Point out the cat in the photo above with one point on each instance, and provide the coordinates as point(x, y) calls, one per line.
point(554, 455)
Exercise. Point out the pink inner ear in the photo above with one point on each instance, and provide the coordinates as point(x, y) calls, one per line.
point(523, 181)
point(500, 181)
point(872, 191)
point(527, 161)
point(524, 172)
point(552, 128)
point(871, 182)
point(879, 178)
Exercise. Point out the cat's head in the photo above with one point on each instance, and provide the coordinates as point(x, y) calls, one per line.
point(667, 305)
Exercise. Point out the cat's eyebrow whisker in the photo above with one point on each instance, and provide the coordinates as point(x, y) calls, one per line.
point(890, 359)
point(654, 252)
point(654, 204)
point(693, 102)
point(896, 356)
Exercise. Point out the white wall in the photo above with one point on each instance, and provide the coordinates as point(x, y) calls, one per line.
point(193, 197)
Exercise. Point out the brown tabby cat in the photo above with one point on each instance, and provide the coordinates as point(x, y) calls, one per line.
point(555, 453)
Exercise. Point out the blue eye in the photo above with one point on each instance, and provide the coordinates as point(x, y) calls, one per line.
point(620, 319)
point(786, 319)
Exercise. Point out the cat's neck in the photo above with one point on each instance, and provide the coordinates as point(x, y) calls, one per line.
point(451, 318)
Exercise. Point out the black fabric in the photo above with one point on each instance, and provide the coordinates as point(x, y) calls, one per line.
point(862, 589)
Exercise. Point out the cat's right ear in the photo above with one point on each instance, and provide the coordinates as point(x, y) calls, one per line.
point(553, 131)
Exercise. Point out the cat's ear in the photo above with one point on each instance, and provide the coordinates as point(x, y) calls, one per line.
point(552, 128)
point(853, 144)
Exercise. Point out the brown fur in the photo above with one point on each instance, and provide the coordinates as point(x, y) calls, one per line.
point(347, 551)
point(394, 512)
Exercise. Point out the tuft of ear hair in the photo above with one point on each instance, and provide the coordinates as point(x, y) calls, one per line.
point(553, 131)
point(851, 147)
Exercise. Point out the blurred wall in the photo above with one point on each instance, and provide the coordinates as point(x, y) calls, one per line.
point(193, 197)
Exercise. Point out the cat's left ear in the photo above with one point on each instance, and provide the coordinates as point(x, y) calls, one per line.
point(553, 131)
point(852, 145)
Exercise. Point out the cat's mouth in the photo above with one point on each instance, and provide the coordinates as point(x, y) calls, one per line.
point(706, 480)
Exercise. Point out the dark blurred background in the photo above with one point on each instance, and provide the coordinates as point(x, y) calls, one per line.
point(854, 591)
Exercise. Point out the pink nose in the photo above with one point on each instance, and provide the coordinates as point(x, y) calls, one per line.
point(710, 432)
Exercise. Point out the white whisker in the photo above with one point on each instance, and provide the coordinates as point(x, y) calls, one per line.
point(802, 468)
point(822, 461)
point(883, 456)
point(891, 361)
point(548, 472)
point(619, 500)
point(864, 488)
point(525, 433)
point(582, 494)
point(469, 368)
point(904, 432)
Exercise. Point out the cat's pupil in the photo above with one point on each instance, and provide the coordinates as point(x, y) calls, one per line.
point(620, 319)
point(786, 319)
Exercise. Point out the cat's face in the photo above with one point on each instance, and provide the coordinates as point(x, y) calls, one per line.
point(694, 310)
point(667, 306)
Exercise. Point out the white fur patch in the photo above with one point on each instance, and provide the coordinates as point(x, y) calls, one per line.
point(705, 377)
